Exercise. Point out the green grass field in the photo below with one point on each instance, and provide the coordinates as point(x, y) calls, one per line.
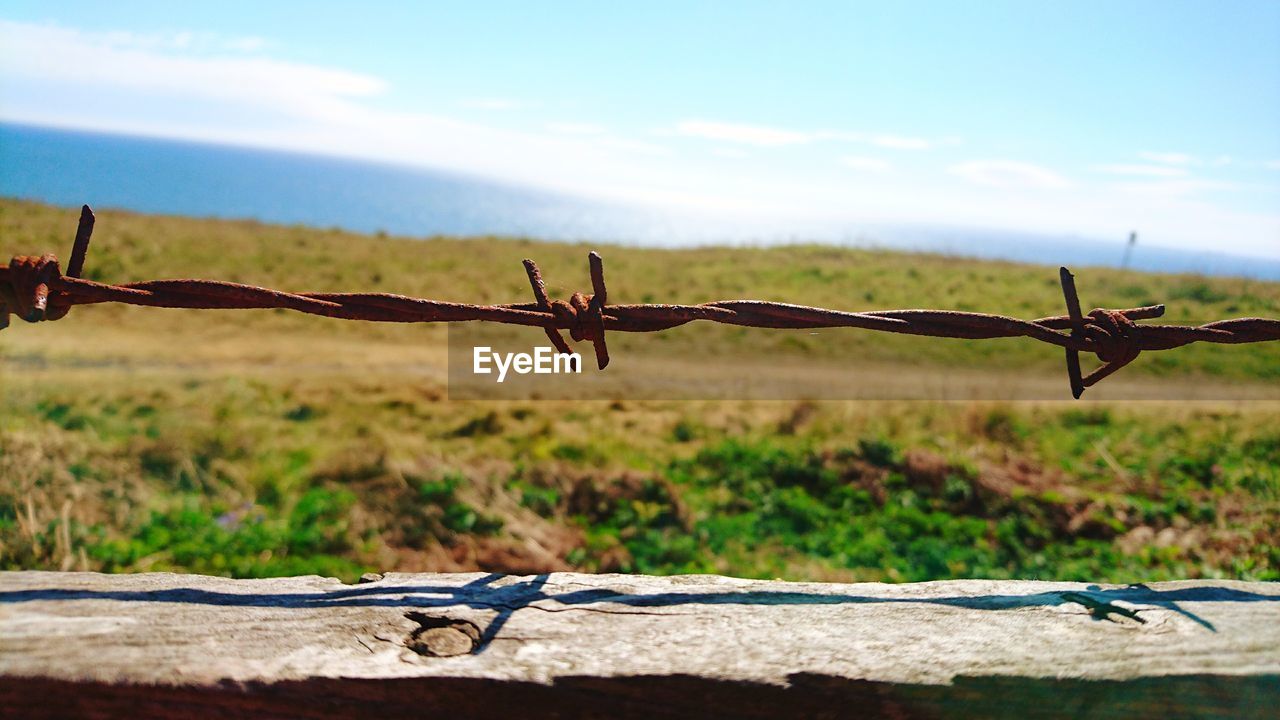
point(256, 443)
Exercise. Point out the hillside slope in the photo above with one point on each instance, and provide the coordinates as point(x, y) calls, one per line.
point(257, 443)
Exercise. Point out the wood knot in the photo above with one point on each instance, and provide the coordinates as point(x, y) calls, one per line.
point(442, 636)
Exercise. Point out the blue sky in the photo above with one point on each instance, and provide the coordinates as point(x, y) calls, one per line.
point(1089, 118)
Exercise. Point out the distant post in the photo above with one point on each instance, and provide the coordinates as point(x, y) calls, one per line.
point(1128, 249)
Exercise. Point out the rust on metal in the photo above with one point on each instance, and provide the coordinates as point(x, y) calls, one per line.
point(35, 289)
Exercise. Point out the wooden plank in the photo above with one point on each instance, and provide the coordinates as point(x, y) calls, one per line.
point(476, 645)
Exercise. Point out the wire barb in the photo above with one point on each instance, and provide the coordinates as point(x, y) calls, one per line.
point(1077, 330)
point(35, 289)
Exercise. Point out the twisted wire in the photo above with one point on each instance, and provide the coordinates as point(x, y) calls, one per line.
point(36, 290)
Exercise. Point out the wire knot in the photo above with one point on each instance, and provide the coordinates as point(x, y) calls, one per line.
point(26, 292)
point(26, 285)
point(582, 315)
point(1110, 334)
point(1115, 335)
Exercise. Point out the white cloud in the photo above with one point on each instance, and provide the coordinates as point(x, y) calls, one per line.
point(1173, 187)
point(48, 54)
point(1008, 174)
point(1185, 160)
point(841, 135)
point(744, 134)
point(764, 136)
point(173, 86)
point(484, 103)
point(730, 152)
point(570, 128)
point(63, 77)
point(1146, 170)
point(1168, 158)
point(866, 164)
point(899, 142)
point(600, 137)
point(1272, 164)
point(198, 42)
point(251, 43)
point(632, 146)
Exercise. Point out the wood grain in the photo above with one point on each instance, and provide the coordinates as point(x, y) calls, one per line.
point(572, 645)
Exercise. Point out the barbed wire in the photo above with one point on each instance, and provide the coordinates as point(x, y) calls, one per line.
point(36, 290)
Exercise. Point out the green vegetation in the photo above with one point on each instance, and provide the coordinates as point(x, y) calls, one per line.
point(881, 514)
point(270, 443)
point(258, 477)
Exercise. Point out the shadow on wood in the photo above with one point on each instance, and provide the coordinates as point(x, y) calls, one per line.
point(570, 645)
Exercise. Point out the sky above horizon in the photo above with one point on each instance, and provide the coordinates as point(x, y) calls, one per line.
point(1085, 118)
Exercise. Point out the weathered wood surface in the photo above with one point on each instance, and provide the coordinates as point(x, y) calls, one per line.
point(569, 645)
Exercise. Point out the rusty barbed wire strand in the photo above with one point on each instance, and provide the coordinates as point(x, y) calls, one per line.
point(35, 289)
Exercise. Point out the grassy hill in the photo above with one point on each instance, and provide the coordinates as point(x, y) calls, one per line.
point(269, 442)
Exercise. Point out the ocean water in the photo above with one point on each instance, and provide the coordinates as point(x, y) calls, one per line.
point(204, 180)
